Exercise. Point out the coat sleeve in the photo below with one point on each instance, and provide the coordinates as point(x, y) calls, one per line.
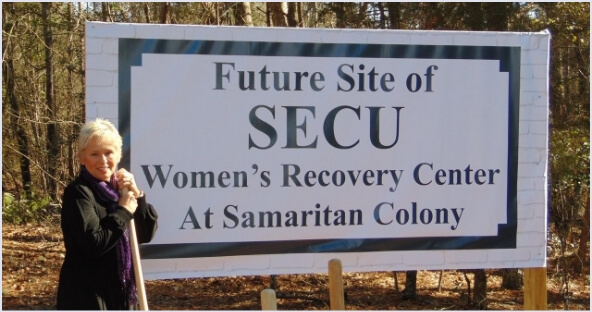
point(146, 221)
point(92, 234)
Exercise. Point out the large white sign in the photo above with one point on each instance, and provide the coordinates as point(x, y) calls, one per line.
point(274, 153)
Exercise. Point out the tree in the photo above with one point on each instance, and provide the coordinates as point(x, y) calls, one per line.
point(291, 16)
point(14, 110)
point(480, 296)
point(243, 14)
point(512, 279)
point(278, 12)
point(164, 12)
point(52, 141)
point(569, 24)
point(410, 291)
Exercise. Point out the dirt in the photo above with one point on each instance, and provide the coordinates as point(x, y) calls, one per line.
point(32, 256)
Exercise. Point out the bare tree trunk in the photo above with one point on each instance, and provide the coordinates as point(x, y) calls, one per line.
point(394, 9)
point(284, 6)
point(382, 15)
point(104, 16)
point(268, 15)
point(468, 280)
point(73, 110)
point(248, 17)
point(584, 239)
point(278, 15)
point(512, 279)
point(164, 12)
point(71, 96)
point(82, 73)
point(292, 22)
point(410, 291)
point(480, 296)
point(239, 14)
point(299, 10)
point(106, 12)
point(217, 12)
point(52, 144)
point(339, 9)
point(147, 12)
point(9, 81)
point(396, 282)
point(21, 134)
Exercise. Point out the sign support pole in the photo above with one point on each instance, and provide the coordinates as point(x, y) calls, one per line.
point(336, 285)
point(535, 289)
point(268, 299)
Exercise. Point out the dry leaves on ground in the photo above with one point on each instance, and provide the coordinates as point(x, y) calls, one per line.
point(32, 256)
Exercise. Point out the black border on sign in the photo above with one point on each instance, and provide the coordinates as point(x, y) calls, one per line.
point(130, 54)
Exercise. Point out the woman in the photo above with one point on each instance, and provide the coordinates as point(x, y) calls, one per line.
point(97, 273)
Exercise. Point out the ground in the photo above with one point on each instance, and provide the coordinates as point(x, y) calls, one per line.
point(32, 256)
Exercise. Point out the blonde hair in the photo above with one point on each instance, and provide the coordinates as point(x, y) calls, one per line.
point(104, 131)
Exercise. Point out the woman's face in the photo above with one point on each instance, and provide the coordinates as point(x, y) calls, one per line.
point(100, 158)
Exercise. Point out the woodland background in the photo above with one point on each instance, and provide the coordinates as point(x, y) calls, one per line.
point(43, 94)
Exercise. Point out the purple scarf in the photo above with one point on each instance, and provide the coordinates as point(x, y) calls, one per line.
point(107, 192)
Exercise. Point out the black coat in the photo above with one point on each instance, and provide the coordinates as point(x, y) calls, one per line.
point(89, 279)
